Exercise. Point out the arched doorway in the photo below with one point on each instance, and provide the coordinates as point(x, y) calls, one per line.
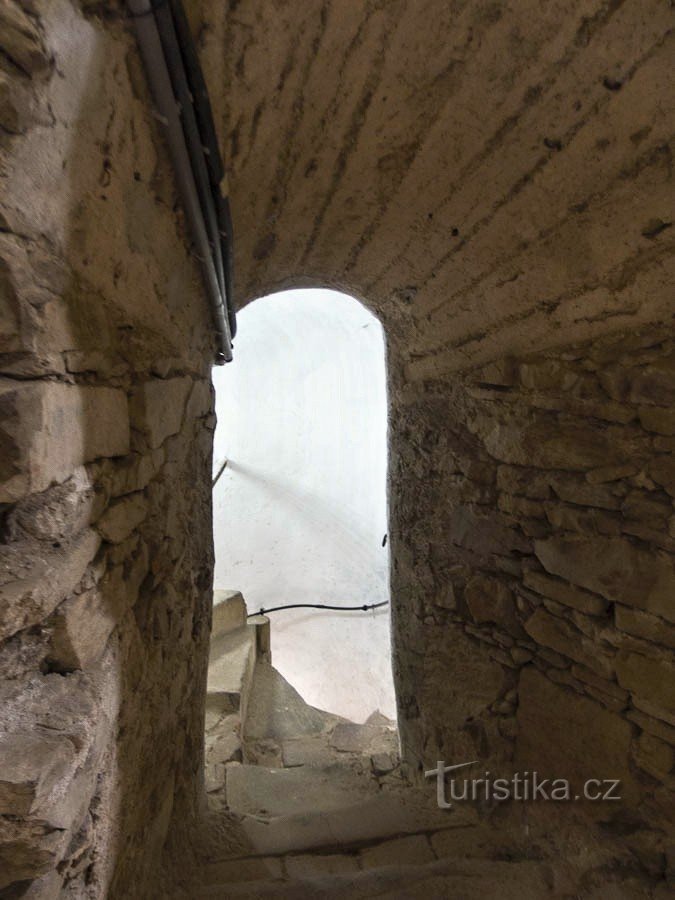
point(300, 511)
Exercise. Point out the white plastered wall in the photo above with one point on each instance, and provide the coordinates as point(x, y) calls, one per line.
point(300, 511)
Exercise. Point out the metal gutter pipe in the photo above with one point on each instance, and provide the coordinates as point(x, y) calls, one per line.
point(162, 90)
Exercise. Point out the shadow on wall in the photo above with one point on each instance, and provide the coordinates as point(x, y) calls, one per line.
point(300, 511)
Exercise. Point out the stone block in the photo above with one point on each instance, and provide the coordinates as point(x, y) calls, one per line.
point(662, 470)
point(549, 443)
point(652, 679)
point(654, 756)
point(606, 474)
point(567, 594)
point(582, 521)
point(200, 401)
point(32, 764)
point(490, 600)
point(658, 419)
point(413, 850)
point(59, 512)
point(383, 763)
point(548, 375)
point(54, 575)
point(644, 625)
point(312, 865)
point(484, 535)
point(80, 630)
point(565, 639)
point(654, 384)
point(521, 506)
point(229, 612)
point(20, 40)
point(122, 518)
point(50, 428)
point(27, 856)
point(646, 506)
point(648, 723)
point(525, 481)
point(572, 489)
point(80, 627)
point(564, 735)
point(157, 408)
point(615, 568)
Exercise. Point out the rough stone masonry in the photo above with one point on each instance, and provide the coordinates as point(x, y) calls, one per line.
point(494, 181)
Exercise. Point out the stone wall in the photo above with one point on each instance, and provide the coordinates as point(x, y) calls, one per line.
point(534, 565)
point(491, 179)
point(105, 455)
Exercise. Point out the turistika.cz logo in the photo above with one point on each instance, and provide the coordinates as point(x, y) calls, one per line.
point(524, 786)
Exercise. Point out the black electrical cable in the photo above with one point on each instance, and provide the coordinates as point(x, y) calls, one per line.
point(263, 612)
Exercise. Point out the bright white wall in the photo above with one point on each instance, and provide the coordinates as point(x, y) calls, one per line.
point(300, 511)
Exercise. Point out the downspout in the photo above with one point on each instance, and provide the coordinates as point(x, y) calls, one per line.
point(208, 246)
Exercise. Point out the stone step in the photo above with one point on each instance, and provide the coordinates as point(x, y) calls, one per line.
point(268, 793)
point(466, 879)
point(232, 659)
point(376, 816)
point(229, 612)
point(277, 712)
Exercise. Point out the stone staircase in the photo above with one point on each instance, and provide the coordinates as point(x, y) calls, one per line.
point(305, 804)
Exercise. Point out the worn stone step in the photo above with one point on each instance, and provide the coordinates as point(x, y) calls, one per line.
point(377, 816)
point(456, 879)
point(278, 712)
point(271, 792)
point(231, 665)
point(229, 612)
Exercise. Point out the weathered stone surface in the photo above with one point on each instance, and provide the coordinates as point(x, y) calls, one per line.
point(662, 470)
point(525, 481)
point(563, 735)
point(122, 518)
point(553, 445)
point(54, 575)
point(644, 625)
point(567, 594)
point(383, 763)
point(565, 639)
point(572, 489)
point(303, 866)
point(21, 41)
point(412, 850)
point(658, 419)
point(484, 535)
point(653, 726)
point(611, 473)
point(654, 756)
point(490, 600)
point(651, 679)
point(583, 521)
point(32, 764)
point(522, 247)
point(614, 568)
point(59, 512)
point(655, 383)
point(49, 429)
point(157, 408)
